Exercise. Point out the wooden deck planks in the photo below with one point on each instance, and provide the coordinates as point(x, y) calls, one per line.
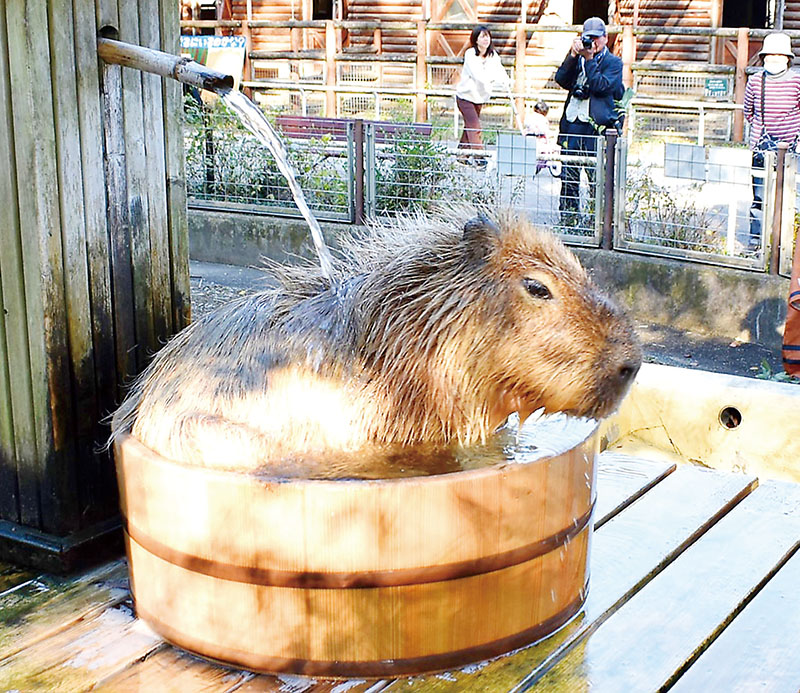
point(11, 576)
point(772, 620)
point(170, 670)
point(626, 552)
point(76, 659)
point(657, 633)
point(621, 479)
point(651, 522)
point(39, 607)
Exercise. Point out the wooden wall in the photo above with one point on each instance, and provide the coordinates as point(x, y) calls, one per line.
point(94, 260)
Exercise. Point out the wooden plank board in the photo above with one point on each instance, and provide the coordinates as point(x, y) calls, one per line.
point(76, 659)
point(175, 174)
point(622, 479)
point(119, 236)
point(25, 506)
point(8, 461)
point(137, 199)
point(40, 607)
point(626, 552)
point(758, 651)
point(150, 36)
point(11, 576)
point(51, 464)
point(301, 684)
point(78, 326)
point(97, 479)
point(172, 670)
point(646, 644)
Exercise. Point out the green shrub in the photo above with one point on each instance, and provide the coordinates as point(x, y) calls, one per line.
point(656, 215)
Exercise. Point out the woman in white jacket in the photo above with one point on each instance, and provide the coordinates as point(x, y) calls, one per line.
point(482, 69)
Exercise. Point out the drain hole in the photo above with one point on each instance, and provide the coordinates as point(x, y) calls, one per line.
point(730, 417)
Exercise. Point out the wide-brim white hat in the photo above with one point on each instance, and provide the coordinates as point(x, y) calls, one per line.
point(777, 44)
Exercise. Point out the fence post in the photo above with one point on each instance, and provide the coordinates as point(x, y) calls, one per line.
point(247, 69)
point(421, 102)
point(519, 70)
point(330, 69)
point(742, 50)
point(628, 54)
point(358, 144)
point(607, 242)
point(777, 213)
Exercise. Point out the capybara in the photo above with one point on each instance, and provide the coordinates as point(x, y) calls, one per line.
point(433, 329)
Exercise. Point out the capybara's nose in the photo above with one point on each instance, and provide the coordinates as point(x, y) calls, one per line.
point(628, 371)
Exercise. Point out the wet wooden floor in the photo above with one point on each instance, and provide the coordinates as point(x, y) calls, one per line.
point(695, 586)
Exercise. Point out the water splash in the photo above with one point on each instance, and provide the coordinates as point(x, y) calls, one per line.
point(256, 122)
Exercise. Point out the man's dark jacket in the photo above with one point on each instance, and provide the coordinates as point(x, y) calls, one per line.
point(604, 81)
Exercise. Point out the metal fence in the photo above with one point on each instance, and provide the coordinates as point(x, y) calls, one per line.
point(226, 166)
point(692, 201)
point(672, 199)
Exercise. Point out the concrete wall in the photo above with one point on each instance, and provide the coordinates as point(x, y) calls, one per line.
point(728, 303)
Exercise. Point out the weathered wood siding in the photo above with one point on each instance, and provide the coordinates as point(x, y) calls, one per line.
point(93, 259)
point(672, 13)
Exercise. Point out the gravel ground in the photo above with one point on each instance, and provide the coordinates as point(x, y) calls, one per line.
point(214, 285)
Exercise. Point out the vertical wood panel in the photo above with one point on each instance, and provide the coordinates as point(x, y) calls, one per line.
point(73, 237)
point(138, 203)
point(118, 225)
point(14, 367)
point(42, 259)
point(150, 35)
point(101, 485)
point(176, 179)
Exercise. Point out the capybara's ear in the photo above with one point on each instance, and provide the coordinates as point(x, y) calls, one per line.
point(480, 235)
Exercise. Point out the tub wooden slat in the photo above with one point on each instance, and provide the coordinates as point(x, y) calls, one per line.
point(625, 653)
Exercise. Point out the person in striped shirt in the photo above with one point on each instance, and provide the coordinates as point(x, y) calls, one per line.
point(772, 107)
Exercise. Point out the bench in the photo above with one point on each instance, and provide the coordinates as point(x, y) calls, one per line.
point(314, 127)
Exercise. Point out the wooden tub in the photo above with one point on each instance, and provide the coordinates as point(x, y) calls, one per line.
point(352, 577)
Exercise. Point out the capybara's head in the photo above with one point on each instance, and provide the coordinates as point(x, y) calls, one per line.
point(495, 317)
point(560, 342)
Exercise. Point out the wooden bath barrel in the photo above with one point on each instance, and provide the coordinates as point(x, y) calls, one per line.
point(357, 578)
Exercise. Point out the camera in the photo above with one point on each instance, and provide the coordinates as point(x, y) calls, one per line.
point(586, 41)
point(581, 91)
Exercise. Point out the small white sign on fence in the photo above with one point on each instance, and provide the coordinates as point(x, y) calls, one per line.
point(516, 154)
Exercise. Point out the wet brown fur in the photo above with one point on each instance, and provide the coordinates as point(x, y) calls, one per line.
point(430, 334)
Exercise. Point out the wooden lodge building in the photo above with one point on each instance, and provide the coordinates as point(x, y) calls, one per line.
point(675, 14)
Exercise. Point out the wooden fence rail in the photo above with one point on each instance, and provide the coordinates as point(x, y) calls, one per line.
point(330, 32)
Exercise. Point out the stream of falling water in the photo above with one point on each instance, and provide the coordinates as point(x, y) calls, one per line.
point(255, 121)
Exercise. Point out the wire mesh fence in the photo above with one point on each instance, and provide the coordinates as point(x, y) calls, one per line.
point(416, 170)
point(700, 202)
point(226, 164)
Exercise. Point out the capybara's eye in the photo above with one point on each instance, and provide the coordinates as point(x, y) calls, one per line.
point(536, 289)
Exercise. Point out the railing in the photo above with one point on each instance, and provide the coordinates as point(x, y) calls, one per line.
point(314, 70)
point(660, 198)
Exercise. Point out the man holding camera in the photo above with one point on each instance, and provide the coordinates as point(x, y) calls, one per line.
point(593, 77)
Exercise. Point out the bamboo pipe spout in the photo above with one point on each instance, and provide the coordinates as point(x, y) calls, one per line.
point(164, 64)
